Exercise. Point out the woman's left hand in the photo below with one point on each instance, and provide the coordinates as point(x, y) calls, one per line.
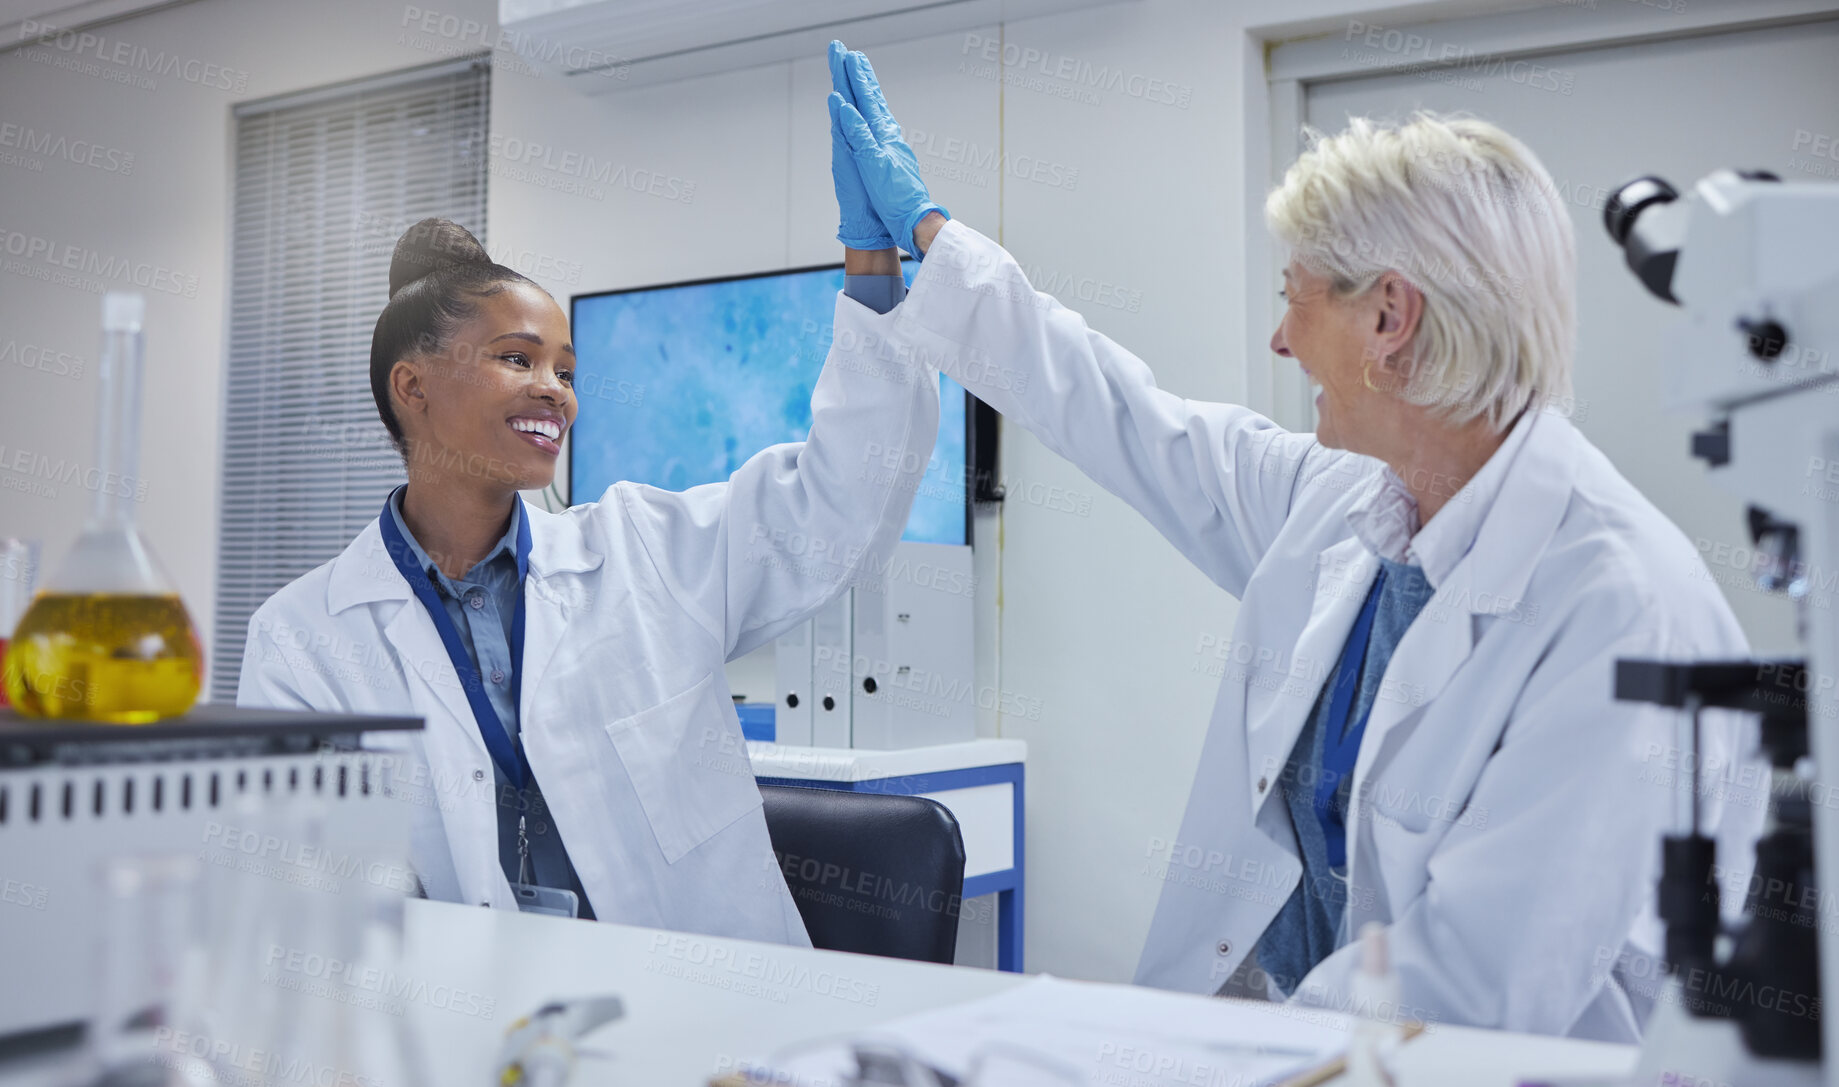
point(859, 226)
point(885, 167)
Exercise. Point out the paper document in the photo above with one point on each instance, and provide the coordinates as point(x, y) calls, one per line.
point(1052, 1032)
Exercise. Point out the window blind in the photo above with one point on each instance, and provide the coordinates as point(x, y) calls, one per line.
point(325, 182)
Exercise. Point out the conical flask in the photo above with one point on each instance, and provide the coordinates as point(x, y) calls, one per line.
point(107, 638)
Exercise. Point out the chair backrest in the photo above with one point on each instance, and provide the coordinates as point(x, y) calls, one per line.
point(876, 873)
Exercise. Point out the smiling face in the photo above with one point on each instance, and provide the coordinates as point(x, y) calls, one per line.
point(493, 406)
point(1351, 347)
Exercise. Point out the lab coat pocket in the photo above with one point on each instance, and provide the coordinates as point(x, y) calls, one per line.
point(688, 762)
point(1402, 856)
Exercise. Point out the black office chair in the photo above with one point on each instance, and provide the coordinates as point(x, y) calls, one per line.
point(876, 873)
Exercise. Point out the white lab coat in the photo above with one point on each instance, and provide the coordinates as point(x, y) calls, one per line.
point(1510, 809)
point(632, 605)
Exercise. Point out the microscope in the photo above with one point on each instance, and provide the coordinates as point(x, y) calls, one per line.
point(1753, 264)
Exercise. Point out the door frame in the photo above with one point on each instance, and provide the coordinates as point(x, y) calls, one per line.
point(1283, 60)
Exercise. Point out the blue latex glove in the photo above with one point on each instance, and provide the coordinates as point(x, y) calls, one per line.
point(885, 165)
point(860, 227)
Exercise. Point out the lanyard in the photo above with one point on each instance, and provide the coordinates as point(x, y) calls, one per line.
point(1341, 744)
point(508, 756)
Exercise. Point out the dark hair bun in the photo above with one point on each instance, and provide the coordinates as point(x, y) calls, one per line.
point(430, 245)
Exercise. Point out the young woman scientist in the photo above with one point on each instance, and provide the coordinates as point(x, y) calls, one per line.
point(581, 749)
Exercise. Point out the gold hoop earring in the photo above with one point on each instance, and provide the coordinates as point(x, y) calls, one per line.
point(1366, 376)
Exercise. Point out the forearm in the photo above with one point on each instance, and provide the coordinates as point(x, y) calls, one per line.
point(873, 278)
point(808, 520)
point(927, 230)
point(875, 262)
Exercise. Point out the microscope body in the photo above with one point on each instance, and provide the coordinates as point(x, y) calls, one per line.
point(1754, 265)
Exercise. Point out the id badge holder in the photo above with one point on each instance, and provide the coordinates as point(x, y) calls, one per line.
point(534, 899)
point(547, 900)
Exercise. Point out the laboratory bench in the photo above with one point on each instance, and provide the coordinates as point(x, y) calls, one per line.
point(699, 1007)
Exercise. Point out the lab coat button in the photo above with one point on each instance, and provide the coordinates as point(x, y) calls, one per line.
point(1225, 947)
point(478, 775)
point(1262, 783)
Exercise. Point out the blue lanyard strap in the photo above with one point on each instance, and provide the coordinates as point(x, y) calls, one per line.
point(1341, 744)
point(508, 755)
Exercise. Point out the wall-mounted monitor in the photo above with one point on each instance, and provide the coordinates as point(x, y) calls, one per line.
point(711, 372)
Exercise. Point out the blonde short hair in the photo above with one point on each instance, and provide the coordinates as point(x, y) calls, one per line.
point(1470, 217)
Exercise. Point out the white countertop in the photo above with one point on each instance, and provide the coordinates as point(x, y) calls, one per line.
point(697, 1005)
point(860, 764)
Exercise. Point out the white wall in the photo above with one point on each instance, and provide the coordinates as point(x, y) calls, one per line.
point(1093, 617)
point(165, 215)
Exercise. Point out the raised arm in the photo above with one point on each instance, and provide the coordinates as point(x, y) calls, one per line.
point(1217, 480)
point(798, 523)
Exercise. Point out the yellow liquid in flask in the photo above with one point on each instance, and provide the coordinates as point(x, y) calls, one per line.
point(127, 660)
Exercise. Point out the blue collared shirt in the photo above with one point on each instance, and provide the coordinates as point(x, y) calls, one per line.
point(879, 293)
point(1311, 923)
point(486, 597)
point(482, 605)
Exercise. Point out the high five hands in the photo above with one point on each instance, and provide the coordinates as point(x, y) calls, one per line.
point(879, 193)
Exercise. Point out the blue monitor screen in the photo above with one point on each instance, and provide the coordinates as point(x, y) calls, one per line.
point(680, 384)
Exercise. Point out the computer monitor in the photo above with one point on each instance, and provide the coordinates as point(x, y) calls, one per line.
point(712, 371)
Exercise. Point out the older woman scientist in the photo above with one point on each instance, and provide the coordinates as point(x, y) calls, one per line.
point(581, 753)
point(1443, 574)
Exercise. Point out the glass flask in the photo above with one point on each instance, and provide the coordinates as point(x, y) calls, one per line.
point(18, 569)
point(107, 638)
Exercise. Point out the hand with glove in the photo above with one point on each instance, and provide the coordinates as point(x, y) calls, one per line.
point(860, 227)
point(874, 170)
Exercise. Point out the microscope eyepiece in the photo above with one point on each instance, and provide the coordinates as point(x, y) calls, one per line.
point(1651, 264)
point(1630, 201)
